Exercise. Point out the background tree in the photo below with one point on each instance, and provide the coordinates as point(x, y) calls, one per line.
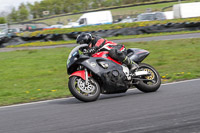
point(36, 10)
point(23, 12)
point(2, 20)
point(13, 16)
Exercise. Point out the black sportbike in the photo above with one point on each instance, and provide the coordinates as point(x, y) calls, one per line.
point(98, 73)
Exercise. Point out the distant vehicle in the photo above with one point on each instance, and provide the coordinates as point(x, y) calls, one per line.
point(169, 14)
point(3, 34)
point(53, 27)
point(92, 18)
point(3, 26)
point(127, 20)
point(151, 16)
point(13, 32)
point(8, 33)
point(186, 10)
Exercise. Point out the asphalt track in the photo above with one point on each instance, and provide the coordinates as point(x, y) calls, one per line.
point(174, 108)
point(156, 38)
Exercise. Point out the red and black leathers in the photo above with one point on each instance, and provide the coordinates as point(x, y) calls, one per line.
point(116, 51)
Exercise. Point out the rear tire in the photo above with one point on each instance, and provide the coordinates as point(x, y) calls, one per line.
point(82, 92)
point(149, 86)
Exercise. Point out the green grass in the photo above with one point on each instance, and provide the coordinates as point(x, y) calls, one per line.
point(174, 59)
point(32, 75)
point(38, 43)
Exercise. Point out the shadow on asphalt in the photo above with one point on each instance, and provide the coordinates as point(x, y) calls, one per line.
point(102, 97)
point(111, 96)
point(71, 100)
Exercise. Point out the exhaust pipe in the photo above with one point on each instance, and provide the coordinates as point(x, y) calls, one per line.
point(142, 73)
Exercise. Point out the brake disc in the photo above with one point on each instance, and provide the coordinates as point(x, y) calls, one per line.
point(89, 88)
point(150, 77)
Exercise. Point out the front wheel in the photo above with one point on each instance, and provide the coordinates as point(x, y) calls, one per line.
point(83, 92)
point(152, 82)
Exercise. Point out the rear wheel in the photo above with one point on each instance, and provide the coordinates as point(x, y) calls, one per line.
point(83, 92)
point(152, 82)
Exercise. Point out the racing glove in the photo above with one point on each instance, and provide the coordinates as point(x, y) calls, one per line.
point(92, 50)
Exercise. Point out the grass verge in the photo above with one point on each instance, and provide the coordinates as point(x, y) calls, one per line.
point(33, 75)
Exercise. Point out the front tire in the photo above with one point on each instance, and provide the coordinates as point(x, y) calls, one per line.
point(85, 93)
point(149, 86)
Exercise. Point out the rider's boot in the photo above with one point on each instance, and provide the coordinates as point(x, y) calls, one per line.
point(131, 64)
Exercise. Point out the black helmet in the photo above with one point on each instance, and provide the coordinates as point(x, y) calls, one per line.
point(84, 38)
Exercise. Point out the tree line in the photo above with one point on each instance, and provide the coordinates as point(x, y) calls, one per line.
point(54, 7)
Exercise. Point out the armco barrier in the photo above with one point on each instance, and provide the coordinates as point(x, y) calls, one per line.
point(169, 27)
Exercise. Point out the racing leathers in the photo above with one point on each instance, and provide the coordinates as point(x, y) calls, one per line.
point(116, 51)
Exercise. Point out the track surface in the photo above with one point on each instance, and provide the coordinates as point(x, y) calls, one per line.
point(157, 38)
point(174, 108)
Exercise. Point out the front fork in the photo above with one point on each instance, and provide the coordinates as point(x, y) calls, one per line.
point(86, 76)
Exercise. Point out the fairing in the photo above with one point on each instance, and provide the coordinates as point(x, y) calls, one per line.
point(137, 55)
point(104, 54)
point(79, 74)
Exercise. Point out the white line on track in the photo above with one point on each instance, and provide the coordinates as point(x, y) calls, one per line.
point(184, 81)
point(23, 104)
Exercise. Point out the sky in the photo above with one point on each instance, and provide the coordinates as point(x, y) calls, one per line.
point(6, 5)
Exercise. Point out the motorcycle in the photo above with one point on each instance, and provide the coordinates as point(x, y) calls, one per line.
point(91, 75)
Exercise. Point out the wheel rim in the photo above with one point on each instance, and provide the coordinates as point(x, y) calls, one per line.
point(152, 79)
point(87, 90)
point(151, 76)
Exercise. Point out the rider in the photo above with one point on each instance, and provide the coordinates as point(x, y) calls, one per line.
point(116, 51)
